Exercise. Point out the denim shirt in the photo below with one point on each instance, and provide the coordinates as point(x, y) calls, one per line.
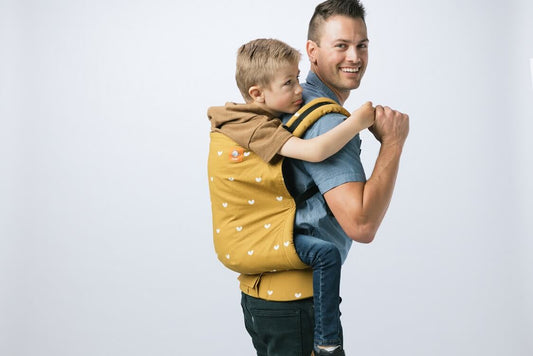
point(312, 216)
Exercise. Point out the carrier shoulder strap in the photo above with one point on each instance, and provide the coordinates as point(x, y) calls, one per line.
point(310, 113)
point(303, 119)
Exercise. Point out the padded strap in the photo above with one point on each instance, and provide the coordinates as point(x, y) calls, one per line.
point(305, 118)
point(310, 113)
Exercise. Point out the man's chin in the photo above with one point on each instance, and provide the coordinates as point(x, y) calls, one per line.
point(353, 85)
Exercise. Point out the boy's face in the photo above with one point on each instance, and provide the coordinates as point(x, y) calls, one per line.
point(284, 94)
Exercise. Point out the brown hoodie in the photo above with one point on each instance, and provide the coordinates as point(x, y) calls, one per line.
point(251, 127)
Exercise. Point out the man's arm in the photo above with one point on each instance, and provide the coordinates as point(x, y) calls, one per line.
point(360, 207)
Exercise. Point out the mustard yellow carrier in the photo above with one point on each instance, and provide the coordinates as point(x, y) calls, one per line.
point(252, 210)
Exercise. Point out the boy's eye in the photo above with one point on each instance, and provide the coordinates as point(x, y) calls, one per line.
point(288, 82)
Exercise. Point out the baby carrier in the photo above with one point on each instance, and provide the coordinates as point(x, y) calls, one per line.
point(252, 210)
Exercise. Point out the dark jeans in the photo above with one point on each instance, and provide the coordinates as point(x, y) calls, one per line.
point(279, 328)
point(288, 328)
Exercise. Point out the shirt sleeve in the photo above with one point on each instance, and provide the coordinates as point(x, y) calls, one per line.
point(261, 134)
point(344, 166)
point(268, 138)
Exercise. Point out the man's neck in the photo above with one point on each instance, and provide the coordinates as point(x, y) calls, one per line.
point(341, 96)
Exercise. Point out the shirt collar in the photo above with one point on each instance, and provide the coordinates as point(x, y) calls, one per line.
point(316, 88)
point(313, 88)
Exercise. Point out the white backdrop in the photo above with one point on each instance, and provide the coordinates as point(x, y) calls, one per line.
point(105, 244)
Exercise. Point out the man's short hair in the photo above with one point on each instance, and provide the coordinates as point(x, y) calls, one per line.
point(350, 8)
point(259, 60)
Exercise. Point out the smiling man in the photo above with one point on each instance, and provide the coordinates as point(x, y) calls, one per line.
point(338, 51)
point(346, 207)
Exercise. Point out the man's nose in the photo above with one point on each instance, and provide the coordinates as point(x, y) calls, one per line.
point(352, 55)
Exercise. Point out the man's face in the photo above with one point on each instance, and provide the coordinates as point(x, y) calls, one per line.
point(341, 56)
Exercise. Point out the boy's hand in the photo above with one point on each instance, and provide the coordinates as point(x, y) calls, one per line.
point(365, 115)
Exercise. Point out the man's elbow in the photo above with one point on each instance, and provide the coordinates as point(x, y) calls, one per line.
point(364, 234)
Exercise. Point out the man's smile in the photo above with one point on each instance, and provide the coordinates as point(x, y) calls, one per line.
point(350, 69)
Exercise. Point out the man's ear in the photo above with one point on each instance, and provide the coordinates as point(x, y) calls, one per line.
point(257, 94)
point(311, 48)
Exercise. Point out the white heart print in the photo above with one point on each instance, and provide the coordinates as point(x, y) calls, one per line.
point(297, 295)
point(276, 247)
point(251, 252)
point(225, 205)
point(267, 226)
point(251, 202)
point(258, 179)
point(219, 153)
point(279, 198)
point(238, 228)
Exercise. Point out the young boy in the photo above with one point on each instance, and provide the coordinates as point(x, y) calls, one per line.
point(267, 76)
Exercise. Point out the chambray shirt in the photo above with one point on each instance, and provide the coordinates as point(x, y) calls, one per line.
point(312, 216)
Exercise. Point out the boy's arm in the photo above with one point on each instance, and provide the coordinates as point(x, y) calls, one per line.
point(321, 147)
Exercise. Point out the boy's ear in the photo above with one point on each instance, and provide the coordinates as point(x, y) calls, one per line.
point(257, 94)
point(311, 47)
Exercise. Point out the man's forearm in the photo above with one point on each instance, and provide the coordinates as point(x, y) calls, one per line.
point(360, 207)
point(378, 189)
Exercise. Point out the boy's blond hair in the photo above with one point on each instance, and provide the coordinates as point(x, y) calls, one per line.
point(259, 60)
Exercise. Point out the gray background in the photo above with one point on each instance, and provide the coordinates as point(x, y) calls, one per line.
point(105, 223)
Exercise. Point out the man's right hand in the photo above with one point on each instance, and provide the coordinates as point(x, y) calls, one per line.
point(391, 127)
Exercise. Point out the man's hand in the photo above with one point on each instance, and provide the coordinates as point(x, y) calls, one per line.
point(390, 126)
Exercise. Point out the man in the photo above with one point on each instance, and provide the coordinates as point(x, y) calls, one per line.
point(348, 207)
